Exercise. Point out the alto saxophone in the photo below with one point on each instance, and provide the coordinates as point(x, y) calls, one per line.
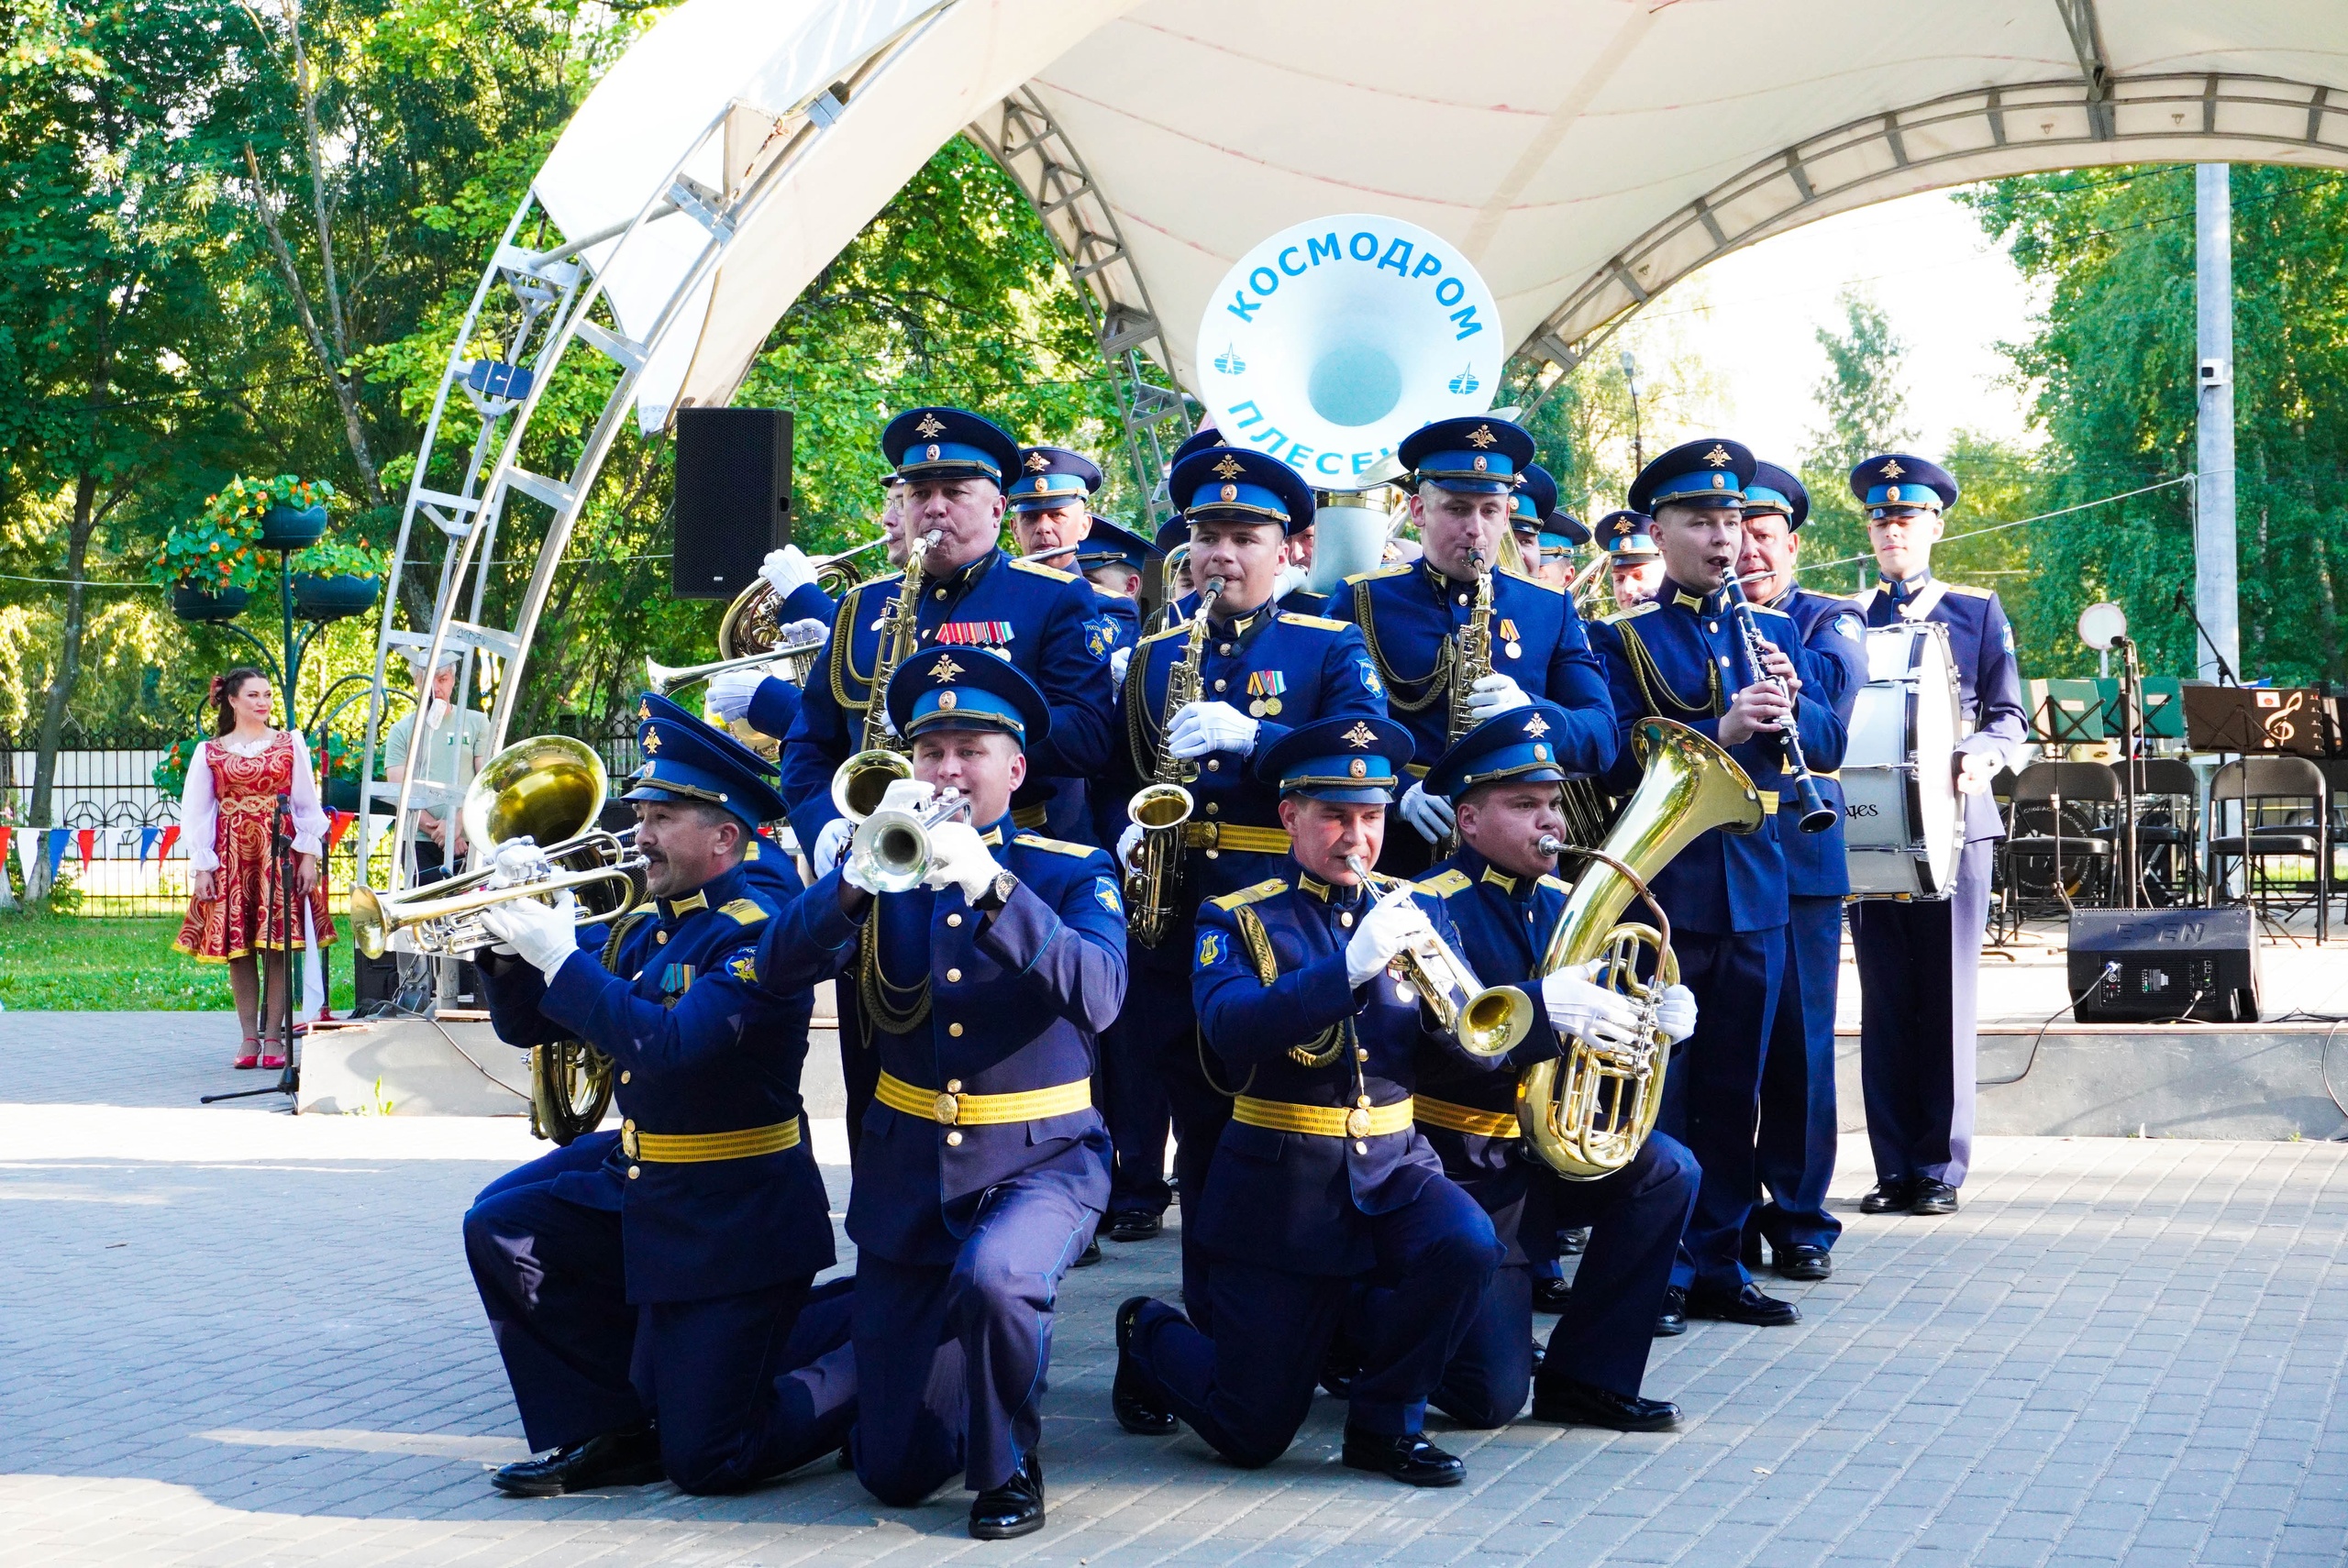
point(1473, 660)
point(859, 782)
point(1162, 808)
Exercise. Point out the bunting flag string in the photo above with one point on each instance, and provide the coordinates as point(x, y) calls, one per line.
point(338, 824)
point(56, 850)
point(170, 837)
point(147, 838)
point(86, 843)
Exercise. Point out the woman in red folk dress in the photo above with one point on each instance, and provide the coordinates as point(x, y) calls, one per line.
point(236, 916)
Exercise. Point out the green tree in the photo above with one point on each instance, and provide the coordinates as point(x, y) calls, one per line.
point(1864, 410)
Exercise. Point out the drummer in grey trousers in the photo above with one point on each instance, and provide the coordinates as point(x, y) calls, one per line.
point(1920, 962)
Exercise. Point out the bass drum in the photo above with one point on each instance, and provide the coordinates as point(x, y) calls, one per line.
point(1903, 823)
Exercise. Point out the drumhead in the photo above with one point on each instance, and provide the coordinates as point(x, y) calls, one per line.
point(1905, 825)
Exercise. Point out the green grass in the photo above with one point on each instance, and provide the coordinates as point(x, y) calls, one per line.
point(70, 964)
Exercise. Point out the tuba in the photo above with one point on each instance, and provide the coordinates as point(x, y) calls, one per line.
point(1586, 1113)
point(751, 630)
point(547, 791)
point(1162, 808)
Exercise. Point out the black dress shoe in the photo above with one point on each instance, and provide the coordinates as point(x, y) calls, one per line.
point(1578, 1404)
point(1141, 1227)
point(1137, 1408)
point(630, 1458)
point(1933, 1198)
point(1673, 1318)
point(1091, 1255)
point(1409, 1458)
point(1889, 1197)
point(1801, 1262)
point(1015, 1507)
point(1551, 1295)
point(1571, 1241)
point(1748, 1305)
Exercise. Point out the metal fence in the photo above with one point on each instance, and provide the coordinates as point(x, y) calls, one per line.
point(120, 850)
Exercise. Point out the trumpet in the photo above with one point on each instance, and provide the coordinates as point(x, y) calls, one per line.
point(889, 852)
point(549, 789)
point(1487, 1021)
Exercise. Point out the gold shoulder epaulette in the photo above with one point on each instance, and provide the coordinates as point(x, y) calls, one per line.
point(746, 912)
point(1450, 882)
point(1559, 883)
point(1326, 624)
point(1530, 582)
point(1971, 592)
point(1040, 569)
point(878, 577)
point(1056, 846)
point(1397, 569)
point(1261, 890)
point(1105, 592)
point(1767, 610)
point(1632, 613)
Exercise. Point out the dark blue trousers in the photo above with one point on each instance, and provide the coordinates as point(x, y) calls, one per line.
point(1920, 964)
point(583, 1361)
point(1135, 1107)
point(1711, 1097)
point(1247, 1388)
point(1794, 1149)
point(950, 1358)
point(1158, 1032)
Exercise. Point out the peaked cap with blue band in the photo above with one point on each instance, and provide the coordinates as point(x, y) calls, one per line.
point(686, 758)
point(1534, 498)
point(949, 444)
point(1775, 489)
point(1709, 472)
point(1477, 453)
point(1109, 545)
point(1897, 480)
point(1349, 759)
point(1517, 745)
point(1224, 484)
point(967, 688)
point(1175, 530)
point(1205, 438)
point(1051, 476)
point(1566, 529)
point(1625, 535)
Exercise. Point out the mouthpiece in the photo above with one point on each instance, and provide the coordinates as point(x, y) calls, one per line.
point(1550, 844)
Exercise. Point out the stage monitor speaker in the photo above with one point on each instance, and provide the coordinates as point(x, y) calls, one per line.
point(733, 497)
point(2150, 965)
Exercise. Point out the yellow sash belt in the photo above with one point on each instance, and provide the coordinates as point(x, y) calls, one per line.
point(1467, 1118)
point(1322, 1121)
point(695, 1148)
point(957, 1109)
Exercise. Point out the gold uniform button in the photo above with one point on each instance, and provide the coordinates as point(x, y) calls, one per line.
point(1214, 855)
point(1361, 1148)
point(953, 1139)
point(1225, 649)
point(954, 920)
point(1220, 685)
point(1215, 809)
point(660, 936)
point(1346, 919)
point(1463, 599)
point(634, 1172)
point(937, 593)
point(1215, 765)
point(953, 1085)
point(1361, 1053)
point(1363, 1101)
point(1711, 626)
point(952, 976)
point(624, 1075)
point(954, 1030)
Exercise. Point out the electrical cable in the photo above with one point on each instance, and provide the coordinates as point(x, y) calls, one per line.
point(2110, 968)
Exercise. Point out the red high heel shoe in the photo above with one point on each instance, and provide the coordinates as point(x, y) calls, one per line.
point(251, 1058)
point(274, 1063)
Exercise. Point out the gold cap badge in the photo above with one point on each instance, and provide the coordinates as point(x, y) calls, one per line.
point(1360, 735)
point(1230, 493)
point(948, 700)
point(929, 429)
point(1718, 457)
point(1482, 436)
point(1230, 468)
point(945, 670)
point(1359, 768)
point(1890, 469)
point(1537, 725)
point(1037, 462)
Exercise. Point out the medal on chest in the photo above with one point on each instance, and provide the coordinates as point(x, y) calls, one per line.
point(1510, 644)
point(1264, 689)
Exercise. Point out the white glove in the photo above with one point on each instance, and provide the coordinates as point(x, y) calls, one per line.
point(543, 935)
point(515, 859)
point(801, 632)
point(1431, 815)
point(1118, 659)
point(1496, 694)
point(1391, 924)
point(830, 845)
point(788, 569)
point(1577, 1006)
point(729, 694)
point(1674, 1014)
point(1128, 842)
point(959, 858)
point(907, 795)
point(1203, 727)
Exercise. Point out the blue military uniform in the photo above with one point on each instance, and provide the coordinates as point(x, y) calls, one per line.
point(774, 704)
point(1320, 1179)
point(659, 1269)
point(983, 1166)
point(1503, 923)
point(1410, 616)
point(1794, 1145)
point(1681, 657)
point(1282, 670)
point(1920, 962)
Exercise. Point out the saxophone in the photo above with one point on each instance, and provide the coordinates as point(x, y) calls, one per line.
point(1473, 660)
point(859, 782)
point(1162, 808)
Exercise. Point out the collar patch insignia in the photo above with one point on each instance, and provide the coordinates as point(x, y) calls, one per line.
point(929, 429)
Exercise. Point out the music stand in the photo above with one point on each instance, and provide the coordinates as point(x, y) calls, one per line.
point(2221, 719)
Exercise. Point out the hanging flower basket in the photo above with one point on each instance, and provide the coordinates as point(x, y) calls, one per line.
point(332, 579)
point(291, 527)
point(221, 546)
point(191, 602)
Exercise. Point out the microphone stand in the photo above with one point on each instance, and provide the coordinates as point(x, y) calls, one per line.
point(2129, 724)
point(2226, 675)
point(280, 861)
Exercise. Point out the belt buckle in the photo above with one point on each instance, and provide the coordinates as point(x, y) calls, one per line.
point(1357, 1123)
point(627, 1140)
point(948, 1108)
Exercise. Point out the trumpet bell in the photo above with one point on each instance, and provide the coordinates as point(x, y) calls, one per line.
point(1495, 1022)
point(889, 852)
point(858, 783)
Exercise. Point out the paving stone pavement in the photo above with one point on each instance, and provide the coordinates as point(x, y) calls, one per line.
point(230, 1338)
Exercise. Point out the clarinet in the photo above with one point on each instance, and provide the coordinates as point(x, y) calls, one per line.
point(1817, 816)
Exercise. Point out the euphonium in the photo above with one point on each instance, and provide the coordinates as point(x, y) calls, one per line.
point(1162, 808)
point(753, 624)
point(858, 783)
point(1586, 1113)
point(1486, 1021)
point(547, 791)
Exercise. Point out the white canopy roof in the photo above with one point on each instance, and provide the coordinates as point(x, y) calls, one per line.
point(1581, 153)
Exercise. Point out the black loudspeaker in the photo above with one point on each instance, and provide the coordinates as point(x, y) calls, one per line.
point(733, 497)
point(2144, 966)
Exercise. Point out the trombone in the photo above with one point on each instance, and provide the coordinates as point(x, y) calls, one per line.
point(547, 792)
point(664, 678)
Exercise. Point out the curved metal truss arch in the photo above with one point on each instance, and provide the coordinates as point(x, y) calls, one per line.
point(1961, 137)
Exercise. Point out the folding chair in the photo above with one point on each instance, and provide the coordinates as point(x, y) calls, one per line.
point(2282, 812)
point(2059, 852)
